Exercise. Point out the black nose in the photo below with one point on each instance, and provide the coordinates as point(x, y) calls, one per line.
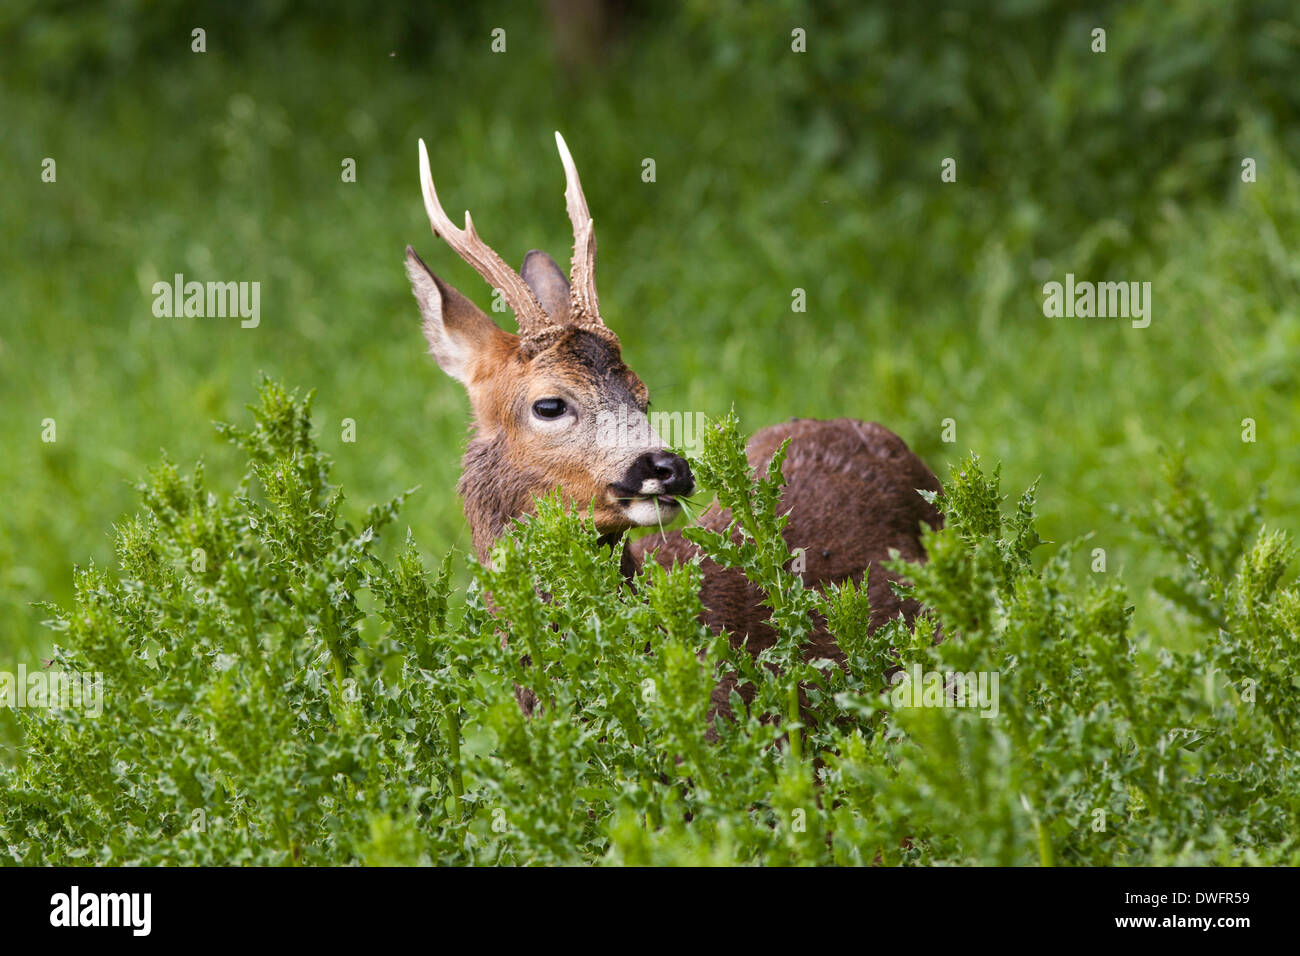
point(671, 472)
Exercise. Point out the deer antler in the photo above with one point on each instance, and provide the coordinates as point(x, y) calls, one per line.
point(584, 307)
point(529, 314)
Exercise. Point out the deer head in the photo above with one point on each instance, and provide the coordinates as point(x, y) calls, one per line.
point(543, 400)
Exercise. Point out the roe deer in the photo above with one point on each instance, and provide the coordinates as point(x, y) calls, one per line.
point(851, 487)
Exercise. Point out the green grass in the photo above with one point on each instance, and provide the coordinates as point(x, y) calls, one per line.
point(924, 298)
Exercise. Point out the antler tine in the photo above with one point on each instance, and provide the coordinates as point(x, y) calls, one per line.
point(529, 313)
point(582, 272)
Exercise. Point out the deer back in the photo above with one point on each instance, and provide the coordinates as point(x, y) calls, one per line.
point(851, 489)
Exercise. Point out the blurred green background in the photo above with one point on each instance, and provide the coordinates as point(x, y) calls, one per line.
point(775, 170)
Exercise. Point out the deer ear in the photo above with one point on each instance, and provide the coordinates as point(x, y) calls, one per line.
point(548, 283)
point(457, 330)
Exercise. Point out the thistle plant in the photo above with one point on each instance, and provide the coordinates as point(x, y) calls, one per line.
point(284, 686)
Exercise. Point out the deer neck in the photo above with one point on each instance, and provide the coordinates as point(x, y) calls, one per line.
point(627, 563)
point(495, 492)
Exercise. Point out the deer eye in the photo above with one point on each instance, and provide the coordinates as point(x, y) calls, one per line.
point(549, 408)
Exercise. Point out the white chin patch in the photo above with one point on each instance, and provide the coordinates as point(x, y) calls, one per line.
point(650, 511)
